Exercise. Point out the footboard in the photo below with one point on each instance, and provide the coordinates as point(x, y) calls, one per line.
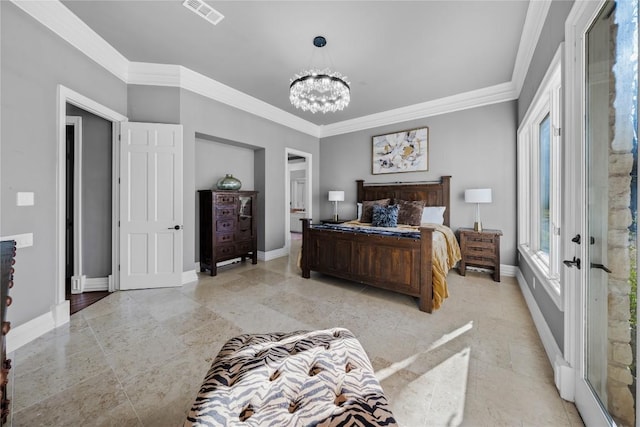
point(399, 264)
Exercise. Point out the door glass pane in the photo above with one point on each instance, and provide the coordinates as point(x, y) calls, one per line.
point(545, 182)
point(611, 88)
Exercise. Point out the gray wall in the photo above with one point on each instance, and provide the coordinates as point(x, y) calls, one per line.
point(216, 159)
point(33, 63)
point(551, 37)
point(213, 160)
point(97, 153)
point(477, 147)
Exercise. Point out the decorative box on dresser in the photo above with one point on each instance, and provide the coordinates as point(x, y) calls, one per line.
point(228, 227)
point(7, 260)
point(480, 249)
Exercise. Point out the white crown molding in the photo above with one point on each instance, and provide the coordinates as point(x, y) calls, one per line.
point(215, 90)
point(472, 99)
point(533, 24)
point(59, 19)
point(56, 17)
point(142, 73)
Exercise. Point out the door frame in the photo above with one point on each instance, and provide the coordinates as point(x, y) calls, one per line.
point(67, 95)
point(287, 190)
point(578, 22)
point(76, 279)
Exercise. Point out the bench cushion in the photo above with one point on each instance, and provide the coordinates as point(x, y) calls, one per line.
point(303, 378)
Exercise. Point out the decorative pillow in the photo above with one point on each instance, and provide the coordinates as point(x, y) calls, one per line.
point(359, 211)
point(410, 213)
point(367, 208)
point(433, 214)
point(385, 216)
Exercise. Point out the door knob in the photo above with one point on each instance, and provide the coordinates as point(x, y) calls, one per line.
point(175, 227)
point(570, 263)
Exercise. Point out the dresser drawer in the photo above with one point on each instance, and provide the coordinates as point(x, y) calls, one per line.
point(226, 250)
point(224, 238)
point(244, 247)
point(225, 225)
point(226, 199)
point(243, 235)
point(226, 211)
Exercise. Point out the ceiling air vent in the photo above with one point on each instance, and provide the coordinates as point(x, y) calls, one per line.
point(202, 9)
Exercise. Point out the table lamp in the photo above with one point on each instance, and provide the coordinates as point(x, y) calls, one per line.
point(477, 196)
point(335, 197)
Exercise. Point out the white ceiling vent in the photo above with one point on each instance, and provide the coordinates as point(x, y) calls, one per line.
point(202, 9)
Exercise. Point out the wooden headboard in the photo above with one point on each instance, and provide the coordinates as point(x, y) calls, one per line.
point(435, 193)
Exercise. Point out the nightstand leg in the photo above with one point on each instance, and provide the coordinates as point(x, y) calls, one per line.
point(462, 269)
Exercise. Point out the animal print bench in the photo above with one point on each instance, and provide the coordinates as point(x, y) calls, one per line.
point(316, 378)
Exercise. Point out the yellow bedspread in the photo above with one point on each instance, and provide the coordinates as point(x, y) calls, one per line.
point(446, 253)
point(445, 249)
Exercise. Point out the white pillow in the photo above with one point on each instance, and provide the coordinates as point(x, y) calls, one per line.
point(433, 214)
point(359, 211)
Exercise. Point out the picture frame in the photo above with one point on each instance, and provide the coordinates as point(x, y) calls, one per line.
point(398, 152)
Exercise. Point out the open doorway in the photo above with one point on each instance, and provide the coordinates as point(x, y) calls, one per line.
point(298, 193)
point(88, 207)
point(112, 121)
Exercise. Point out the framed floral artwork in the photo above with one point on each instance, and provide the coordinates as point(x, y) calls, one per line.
point(405, 151)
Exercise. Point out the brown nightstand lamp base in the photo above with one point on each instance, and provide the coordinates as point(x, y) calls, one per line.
point(480, 249)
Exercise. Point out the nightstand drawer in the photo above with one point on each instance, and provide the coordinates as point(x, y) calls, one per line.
point(480, 260)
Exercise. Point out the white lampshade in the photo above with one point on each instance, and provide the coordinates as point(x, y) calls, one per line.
point(477, 195)
point(336, 196)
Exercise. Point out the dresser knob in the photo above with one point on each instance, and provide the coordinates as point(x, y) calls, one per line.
point(5, 327)
point(9, 300)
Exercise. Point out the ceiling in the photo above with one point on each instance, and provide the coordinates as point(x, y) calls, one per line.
point(394, 53)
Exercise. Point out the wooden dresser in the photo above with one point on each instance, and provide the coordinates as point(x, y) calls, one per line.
point(480, 249)
point(7, 259)
point(228, 227)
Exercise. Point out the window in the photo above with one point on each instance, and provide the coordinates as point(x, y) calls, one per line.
point(539, 181)
point(544, 139)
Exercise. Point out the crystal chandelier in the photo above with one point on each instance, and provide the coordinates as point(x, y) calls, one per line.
point(319, 90)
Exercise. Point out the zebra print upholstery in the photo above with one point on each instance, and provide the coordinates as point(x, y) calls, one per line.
point(303, 378)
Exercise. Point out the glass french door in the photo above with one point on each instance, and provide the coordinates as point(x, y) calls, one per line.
point(606, 353)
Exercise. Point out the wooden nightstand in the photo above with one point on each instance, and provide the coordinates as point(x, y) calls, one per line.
point(333, 221)
point(480, 249)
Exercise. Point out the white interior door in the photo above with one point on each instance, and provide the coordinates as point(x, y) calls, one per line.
point(150, 205)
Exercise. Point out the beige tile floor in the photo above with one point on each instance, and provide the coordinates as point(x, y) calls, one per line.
point(136, 358)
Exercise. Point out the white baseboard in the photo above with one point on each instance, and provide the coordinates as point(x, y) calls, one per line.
point(190, 276)
point(27, 332)
point(276, 253)
point(509, 270)
point(563, 373)
point(77, 284)
point(505, 270)
point(262, 256)
point(93, 284)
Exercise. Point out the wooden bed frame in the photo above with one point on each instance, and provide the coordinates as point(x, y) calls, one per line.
point(399, 264)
